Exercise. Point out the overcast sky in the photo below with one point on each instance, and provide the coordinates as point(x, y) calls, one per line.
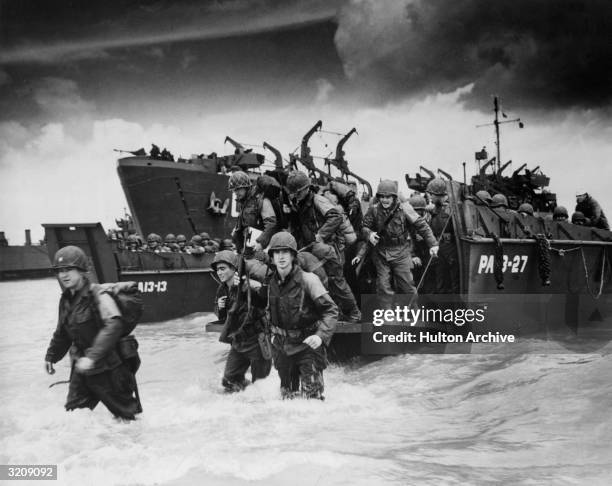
point(78, 79)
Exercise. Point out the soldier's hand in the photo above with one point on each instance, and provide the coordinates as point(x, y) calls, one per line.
point(84, 364)
point(416, 261)
point(374, 238)
point(49, 367)
point(286, 209)
point(254, 284)
point(433, 251)
point(313, 341)
point(355, 261)
point(221, 302)
point(258, 247)
point(236, 279)
point(319, 238)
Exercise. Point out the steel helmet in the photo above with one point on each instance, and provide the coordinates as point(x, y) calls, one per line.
point(225, 256)
point(578, 217)
point(297, 180)
point(386, 187)
point(239, 180)
point(483, 195)
point(181, 239)
point(227, 244)
point(417, 201)
point(204, 235)
point(283, 240)
point(154, 237)
point(196, 239)
point(437, 187)
point(526, 208)
point(170, 238)
point(499, 200)
point(560, 212)
point(70, 256)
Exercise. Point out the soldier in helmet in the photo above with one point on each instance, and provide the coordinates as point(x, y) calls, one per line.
point(133, 243)
point(209, 245)
point(446, 268)
point(420, 251)
point(560, 214)
point(245, 350)
point(228, 244)
point(318, 227)
point(256, 211)
point(153, 243)
point(387, 226)
point(90, 326)
point(195, 245)
point(181, 243)
point(170, 243)
point(579, 219)
point(507, 216)
point(591, 209)
point(303, 318)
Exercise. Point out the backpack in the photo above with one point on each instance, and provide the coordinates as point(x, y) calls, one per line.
point(128, 299)
point(270, 188)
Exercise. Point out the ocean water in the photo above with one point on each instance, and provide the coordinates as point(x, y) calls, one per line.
point(520, 417)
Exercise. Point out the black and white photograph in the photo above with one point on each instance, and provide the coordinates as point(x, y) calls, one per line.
point(306, 242)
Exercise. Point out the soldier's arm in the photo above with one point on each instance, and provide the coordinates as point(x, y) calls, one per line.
point(420, 225)
point(59, 345)
point(596, 210)
point(112, 327)
point(220, 313)
point(268, 216)
point(326, 325)
point(368, 223)
point(333, 218)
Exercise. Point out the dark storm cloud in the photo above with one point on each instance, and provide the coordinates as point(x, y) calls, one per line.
point(62, 30)
point(539, 53)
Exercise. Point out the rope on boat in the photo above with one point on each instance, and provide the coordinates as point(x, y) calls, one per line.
point(498, 262)
point(543, 259)
point(601, 273)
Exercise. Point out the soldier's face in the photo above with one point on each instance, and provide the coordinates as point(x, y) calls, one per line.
point(152, 244)
point(386, 201)
point(580, 198)
point(71, 278)
point(241, 193)
point(282, 259)
point(225, 272)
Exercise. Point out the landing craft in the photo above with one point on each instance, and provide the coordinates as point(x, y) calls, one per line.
point(535, 276)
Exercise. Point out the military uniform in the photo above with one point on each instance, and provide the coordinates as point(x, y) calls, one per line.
point(392, 255)
point(593, 213)
point(299, 306)
point(317, 216)
point(256, 211)
point(245, 350)
point(446, 267)
point(91, 327)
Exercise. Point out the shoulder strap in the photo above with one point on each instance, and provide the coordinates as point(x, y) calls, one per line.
point(389, 218)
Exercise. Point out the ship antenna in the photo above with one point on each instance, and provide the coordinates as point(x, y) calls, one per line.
point(496, 123)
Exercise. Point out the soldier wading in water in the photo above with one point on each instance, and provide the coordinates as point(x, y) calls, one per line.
point(245, 340)
point(90, 326)
point(303, 318)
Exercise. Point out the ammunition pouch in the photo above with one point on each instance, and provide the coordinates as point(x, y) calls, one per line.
point(127, 347)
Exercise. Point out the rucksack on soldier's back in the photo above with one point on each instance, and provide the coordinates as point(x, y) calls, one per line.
point(128, 299)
